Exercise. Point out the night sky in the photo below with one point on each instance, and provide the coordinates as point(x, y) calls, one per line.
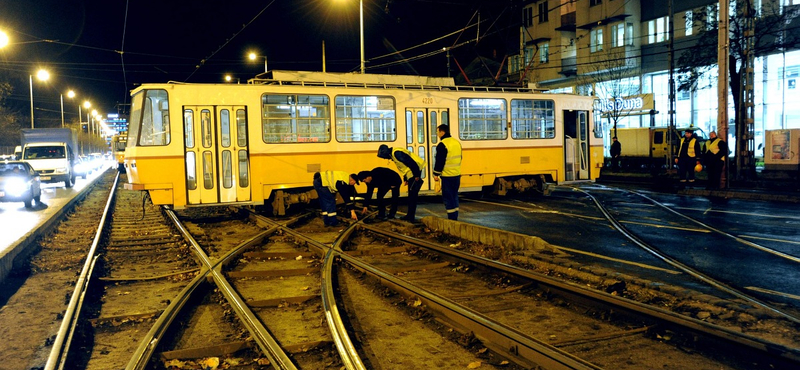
point(104, 48)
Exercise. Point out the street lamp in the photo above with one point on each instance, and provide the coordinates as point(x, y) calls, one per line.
point(86, 105)
point(42, 75)
point(70, 94)
point(361, 18)
point(4, 40)
point(253, 56)
point(229, 78)
point(94, 116)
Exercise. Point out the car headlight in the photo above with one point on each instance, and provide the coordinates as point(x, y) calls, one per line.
point(61, 170)
point(17, 187)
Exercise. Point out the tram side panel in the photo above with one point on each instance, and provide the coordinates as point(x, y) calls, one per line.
point(161, 167)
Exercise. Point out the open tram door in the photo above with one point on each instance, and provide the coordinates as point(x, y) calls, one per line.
point(421, 137)
point(216, 154)
point(576, 145)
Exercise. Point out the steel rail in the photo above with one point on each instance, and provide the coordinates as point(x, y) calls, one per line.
point(514, 345)
point(615, 302)
point(341, 339)
point(685, 268)
point(61, 345)
point(500, 338)
point(265, 341)
point(736, 238)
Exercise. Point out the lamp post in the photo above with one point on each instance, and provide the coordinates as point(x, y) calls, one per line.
point(361, 28)
point(253, 56)
point(361, 16)
point(70, 94)
point(86, 105)
point(94, 118)
point(42, 75)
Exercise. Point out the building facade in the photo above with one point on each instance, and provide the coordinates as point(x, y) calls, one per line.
point(619, 48)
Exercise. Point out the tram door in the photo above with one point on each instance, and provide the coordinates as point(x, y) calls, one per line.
point(421, 137)
point(216, 154)
point(576, 145)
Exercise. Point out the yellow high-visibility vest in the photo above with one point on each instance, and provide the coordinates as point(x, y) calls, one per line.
point(452, 165)
point(329, 179)
point(407, 173)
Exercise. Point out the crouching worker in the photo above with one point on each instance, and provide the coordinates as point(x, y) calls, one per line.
point(327, 184)
point(410, 165)
point(384, 179)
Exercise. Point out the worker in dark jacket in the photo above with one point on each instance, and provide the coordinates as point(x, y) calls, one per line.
point(384, 179)
point(714, 159)
point(448, 168)
point(410, 166)
point(615, 151)
point(327, 184)
point(688, 156)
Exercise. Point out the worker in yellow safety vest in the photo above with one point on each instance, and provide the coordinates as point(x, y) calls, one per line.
point(327, 184)
point(448, 168)
point(714, 159)
point(410, 165)
point(688, 156)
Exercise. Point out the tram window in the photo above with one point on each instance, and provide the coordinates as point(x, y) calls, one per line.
point(409, 127)
point(365, 118)
point(434, 124)
point(420, 127)
point(205, 127)
point(208, 171)
point(482, 119)
point(244, 176)
point(295, 118)
point(241, 128)
point(191, 171)
point(533, 119)
point(154, 126)
point(225, 128)
point(188, 128)
point(227, 170)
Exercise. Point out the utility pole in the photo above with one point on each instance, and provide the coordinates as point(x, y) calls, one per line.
point(722, 80)
point(671, 52)
point(745, 145)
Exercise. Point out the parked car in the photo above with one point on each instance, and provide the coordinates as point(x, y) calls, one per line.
point(19, 183)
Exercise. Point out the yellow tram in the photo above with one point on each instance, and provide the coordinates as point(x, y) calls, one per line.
point(261, 142)
point(118, 144)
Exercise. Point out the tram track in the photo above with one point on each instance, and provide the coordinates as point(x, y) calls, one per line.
point(711, 235)
point(221, 284)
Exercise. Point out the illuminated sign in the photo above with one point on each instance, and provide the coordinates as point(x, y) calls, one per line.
point(626, 105)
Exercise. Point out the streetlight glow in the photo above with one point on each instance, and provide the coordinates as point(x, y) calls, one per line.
point(4, 40)
point(253, 56)
point(361, 27)
point(42, 75)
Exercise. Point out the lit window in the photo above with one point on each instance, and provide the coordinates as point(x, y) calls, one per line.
point(596, 40)
point(365, 118)
point(657, 30)
point(482, 119)
point(689, 23)
point(533, 119)
point(295, 118)
point(544, 52)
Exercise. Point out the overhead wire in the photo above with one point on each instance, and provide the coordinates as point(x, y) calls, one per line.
point(244, 26)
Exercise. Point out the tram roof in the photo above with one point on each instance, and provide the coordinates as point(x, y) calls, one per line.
point(358, 80)
point(312, 78)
